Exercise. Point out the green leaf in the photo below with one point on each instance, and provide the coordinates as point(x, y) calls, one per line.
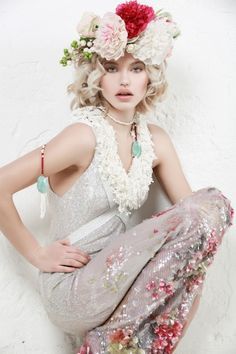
point(74, 45)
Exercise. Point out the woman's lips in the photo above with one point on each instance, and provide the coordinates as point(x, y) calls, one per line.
point(124, 97)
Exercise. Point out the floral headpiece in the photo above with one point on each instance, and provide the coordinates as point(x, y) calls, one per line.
point(134, 28)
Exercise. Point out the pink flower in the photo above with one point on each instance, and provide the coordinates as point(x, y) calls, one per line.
point(157, 288)
point(167, 288)
point(194, 282)
point(115, 258)
point(135, 16)
point(231, 215)
point(213, 243)
point(166, 336)
point(151, 285)
point(111, 37)
point(121, 336)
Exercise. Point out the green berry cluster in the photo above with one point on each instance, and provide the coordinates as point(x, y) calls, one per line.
point(82, 47)
point(69, 55)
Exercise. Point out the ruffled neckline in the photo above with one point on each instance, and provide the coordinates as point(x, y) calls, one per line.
point(130, 188)
point(114, 137)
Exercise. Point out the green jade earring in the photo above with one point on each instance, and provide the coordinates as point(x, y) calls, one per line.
point(42, 186)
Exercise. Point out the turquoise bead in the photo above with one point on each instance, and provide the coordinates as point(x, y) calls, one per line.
point(136, 149)
point(42, 184)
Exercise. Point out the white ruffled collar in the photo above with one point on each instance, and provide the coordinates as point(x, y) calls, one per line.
point(130, 188)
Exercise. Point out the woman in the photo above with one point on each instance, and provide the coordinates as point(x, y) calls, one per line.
point(118, 290)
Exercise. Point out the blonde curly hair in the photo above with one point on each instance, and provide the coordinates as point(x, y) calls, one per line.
point(87, 91)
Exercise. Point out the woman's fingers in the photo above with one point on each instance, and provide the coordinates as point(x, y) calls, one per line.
point(73, 263)
point(65, 241)
point(70, 248)
point(77, 250)
point(63, 269)
point(77, 257)
point(71, 257)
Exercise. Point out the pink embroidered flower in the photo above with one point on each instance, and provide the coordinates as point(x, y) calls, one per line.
point(111, 37)
point(121, 336)
point(151, 285)
point(167, 335)
point(116, 257)
point(231, 215)
point(161, 287)
point(167, 288)
point(159, 344)
point(135, 16)
point(213, 243)
point(193, 282)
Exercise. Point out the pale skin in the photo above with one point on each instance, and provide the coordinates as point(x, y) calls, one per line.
point(69, 154)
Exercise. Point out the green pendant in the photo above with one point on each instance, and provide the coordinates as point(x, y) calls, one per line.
point(136, 149)
point(42, 184)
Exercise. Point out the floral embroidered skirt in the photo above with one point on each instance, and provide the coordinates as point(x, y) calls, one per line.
point(136, 294)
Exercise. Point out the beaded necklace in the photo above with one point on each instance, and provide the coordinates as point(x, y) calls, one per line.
point(136, 148)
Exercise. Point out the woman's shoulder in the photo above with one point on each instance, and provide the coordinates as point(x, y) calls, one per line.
point(158, 133)
point(81, 126)
point(78, 140)
point(87, 115)
point(161, 140)
point(80, 131)
point(156, 129)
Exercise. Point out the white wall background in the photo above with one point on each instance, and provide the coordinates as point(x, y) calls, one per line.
point(199, 114)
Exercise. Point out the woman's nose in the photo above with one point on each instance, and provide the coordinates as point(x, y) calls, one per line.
point(124, 78)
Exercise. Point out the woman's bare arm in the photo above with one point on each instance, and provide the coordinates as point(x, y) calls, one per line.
point(168, 170)
point(74, 146)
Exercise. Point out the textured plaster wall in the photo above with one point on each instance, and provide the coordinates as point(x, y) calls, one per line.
point(199, 114)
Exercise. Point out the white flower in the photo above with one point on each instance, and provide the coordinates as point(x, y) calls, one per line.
point(88, 24)
point(154, 44)
point(83, 43)
point(111, 37)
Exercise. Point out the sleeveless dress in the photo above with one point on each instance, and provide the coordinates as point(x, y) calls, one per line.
point(137, 290)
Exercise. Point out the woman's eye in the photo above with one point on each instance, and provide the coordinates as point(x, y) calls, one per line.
point(110, 69)
point(138, 69)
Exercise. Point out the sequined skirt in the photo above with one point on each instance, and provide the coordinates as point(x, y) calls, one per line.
point(135, 295)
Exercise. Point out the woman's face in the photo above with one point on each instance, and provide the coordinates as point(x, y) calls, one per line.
point(125, 82)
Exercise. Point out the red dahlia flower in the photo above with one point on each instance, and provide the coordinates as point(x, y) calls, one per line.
point(135, 16)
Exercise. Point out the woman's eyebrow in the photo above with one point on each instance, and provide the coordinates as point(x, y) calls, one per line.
point(110, 62)
point(137, 62)
point(132, 63)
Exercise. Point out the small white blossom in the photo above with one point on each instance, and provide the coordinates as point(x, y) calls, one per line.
point(82, 43)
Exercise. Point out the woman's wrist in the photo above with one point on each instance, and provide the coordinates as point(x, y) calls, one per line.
point(35, 255)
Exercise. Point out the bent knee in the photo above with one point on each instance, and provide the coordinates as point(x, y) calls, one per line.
point(209, 203)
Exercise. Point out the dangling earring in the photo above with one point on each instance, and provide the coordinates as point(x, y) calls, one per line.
point(136, 148)
point(42, 186)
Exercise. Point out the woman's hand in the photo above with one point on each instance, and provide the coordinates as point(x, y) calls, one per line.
point(60, 256)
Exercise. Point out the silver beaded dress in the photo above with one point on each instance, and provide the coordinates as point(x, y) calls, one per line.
point(136, 292)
